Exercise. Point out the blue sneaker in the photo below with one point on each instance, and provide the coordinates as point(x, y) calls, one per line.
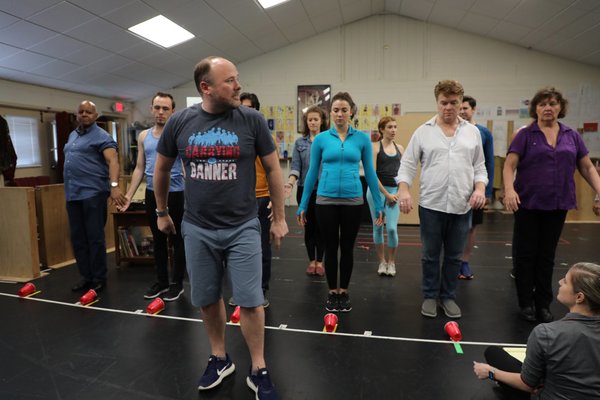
point(261, 384)
point(215, 372)
point(465, 271)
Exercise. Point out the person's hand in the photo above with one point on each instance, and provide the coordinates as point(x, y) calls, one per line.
point(481, 370)
point(301, 218)
point(125, 206)
point(278, 230)
point(287, 190)
point(391, 199)
point(379, 220)
point(405, 202)
point(117, 197)
point(477, 199)
point(511, 200)
point(166, 225)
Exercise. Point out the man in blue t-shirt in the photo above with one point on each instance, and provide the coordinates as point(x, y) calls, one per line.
point(218, 142)
point(91, 174)
point(467, 109)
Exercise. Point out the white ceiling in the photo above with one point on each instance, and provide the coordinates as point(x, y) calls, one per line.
point(84, 45)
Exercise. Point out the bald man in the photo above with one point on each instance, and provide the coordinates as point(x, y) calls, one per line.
point(218, 142)
point(91, 174)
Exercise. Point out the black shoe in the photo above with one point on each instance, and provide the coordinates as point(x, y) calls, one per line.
point(528, 314)
point(544, 315)
point(82, 286)
point(174, 292)
point(98, 286)
point(156, 290)
point(344, 304)
point(332, 302)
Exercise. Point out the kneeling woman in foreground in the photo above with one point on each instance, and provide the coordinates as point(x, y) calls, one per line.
point(563, 357)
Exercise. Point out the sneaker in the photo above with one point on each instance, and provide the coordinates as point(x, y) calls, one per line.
point(231, 302)
point(174, 292)
point(311, 269)
point(465, 271)
point(265, 303)
point(429, 308)
point(382, 270)
point(262, 385)
point(451, 309)
point(391, 269)
point(513, 273)
point(156, 290)
point(344, 304)
point(215, 372)
point(332, 302)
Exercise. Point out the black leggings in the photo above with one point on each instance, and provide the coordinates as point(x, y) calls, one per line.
point(339, 226)
point(497, 357)
point(312, 235)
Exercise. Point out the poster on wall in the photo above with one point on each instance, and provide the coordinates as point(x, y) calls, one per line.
point(312, 95)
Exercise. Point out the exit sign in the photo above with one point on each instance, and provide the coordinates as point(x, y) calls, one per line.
point(118, 107)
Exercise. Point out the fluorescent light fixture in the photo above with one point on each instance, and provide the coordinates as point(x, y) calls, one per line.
point(270, 3)
point(162, 31)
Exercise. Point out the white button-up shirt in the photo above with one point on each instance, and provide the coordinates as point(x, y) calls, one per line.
point(450, 166)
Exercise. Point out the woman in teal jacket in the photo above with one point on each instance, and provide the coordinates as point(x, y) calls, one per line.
point(339, 152)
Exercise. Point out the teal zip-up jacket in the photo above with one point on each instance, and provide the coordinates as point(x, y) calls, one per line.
point(340, 167)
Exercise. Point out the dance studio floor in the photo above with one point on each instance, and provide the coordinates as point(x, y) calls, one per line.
point(51, 349)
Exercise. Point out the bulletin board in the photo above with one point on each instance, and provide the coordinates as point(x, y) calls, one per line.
point(280, 119)
point(368, 115)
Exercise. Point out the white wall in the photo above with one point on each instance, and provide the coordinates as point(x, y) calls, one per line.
point(32, 96)
point(388, 59)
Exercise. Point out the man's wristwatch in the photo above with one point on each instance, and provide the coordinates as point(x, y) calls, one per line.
point(162, 213)
point(114, 184)
point(492, 374)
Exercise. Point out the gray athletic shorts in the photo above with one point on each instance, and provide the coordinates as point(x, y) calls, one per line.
point(206, 251)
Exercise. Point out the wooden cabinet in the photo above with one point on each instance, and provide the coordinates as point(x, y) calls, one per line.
point(19, 256)
point(127, 220)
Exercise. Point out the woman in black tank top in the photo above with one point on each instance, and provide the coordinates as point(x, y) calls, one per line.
point(386, 156)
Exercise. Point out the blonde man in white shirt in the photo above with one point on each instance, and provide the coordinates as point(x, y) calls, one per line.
point(453, 180)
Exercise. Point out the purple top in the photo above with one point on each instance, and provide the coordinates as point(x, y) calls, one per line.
point(545, 174)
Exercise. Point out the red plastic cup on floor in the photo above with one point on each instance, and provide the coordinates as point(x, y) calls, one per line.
point(89, 297)
point(331, 321)
point(453, 331)
point(235, 316)
point(156, 306)
point(27, 289)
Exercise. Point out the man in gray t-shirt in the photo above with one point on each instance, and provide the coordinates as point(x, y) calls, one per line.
point(218, 142)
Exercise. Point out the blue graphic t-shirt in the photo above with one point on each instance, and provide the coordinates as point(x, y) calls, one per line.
point(218, 153)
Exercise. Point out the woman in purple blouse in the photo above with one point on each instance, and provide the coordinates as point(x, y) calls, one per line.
point(544, 155)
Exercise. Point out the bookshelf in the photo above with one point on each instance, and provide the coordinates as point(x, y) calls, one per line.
point(128, 244)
